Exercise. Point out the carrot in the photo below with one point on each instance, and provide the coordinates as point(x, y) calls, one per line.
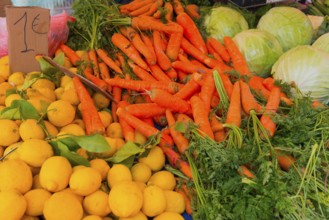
point(116, 92)
point(158, 74)
point(161, 121)
point(237, 58)
point(162, 58)
point(108, 60)
point(219, 48)
point(191, 32)
point(142, 86)
point(244, 171)
point(87, 65)
point(139, 11)
point(182, 76)
point(149, 121)
point(88, 110)
point(103, 70)
point(215, 124)
point(317, 104)
point(188, 206)
point(198, 63)
point(248, 100)
point(145, 110)
point(127, 131)
point(256, 83)
point(140, 72)
point(148, 41)
point(207, 90)
point(154, 7)
point(169, 10)
point(173, 46)
point(234, 110)
point(270, 109)
point(134, 5)
point(157, 14)
point(97, 81)
point(285, 161)
point(193, 11)
point(180, 141)
point(200, 116)
point(70, 53)
point(94, 61)
point(176, 161)
point(122, 61)
point(167, 100)
point(144, 128)
point(189, 67)
point(220, 136)
point(269, 84)
point(178, 7)
point(148, 23)
point(127, 48)
point(189, 89)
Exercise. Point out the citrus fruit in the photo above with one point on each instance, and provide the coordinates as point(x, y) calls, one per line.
point(100, 100)
point(141, 172)
point(73, 129)
point(31, 129)
point(155, 159)
point(169, 215)
point(138, 216)
point(5, 71)
point(117, 174)
point(71, 96)
point(9, 132)
point(163, 179)
point(97, 203)
point(12, 97)
point(175, 201)
point(36, 199)
point(106, 118)
point(114, 130)
point(36, 182)
point(154, 201)
point(85, 181)
point(60, 113)
point(92, 217)
point(4, 86)
point(52, 130)
point(11, 150)
point(12, 205)
point(101, 166)
point(16, 78)
point(43, 83)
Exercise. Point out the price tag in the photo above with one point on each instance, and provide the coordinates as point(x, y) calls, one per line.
point(27, 36)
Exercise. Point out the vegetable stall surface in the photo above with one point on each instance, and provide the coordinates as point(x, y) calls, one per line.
point(165, 121)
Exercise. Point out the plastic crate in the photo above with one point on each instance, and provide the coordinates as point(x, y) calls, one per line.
point(55, 6)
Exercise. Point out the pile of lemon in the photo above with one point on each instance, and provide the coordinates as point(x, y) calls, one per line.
point(37, 184)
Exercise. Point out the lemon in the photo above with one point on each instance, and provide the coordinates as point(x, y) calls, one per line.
point(27, 217)
point(125, 199)
point(61, 206)
point(36, 182)
point(30, 129)
point(106, 118)
point(4, 86)
point(119, 143)
point(141, 172)
point(2, 79)
point(12, 205)
point(33, 93)
point(79, 122)
point(59, 92)
point(73, 129)
point(2, 149)
point(55, 173)
point(35, 152)
point(163, 179)
point(67, 62)
point(10, 98)
point(15, 174)
point(43, 83)
point(5, 71)
point(71, 96)
point(155, 159)
point(79, 197)
point(100, 100)
point(85, 181)
point(141, 185)
point(114, 130)
point(9, 132)
point(109, 153)
point(36, 199)
point(47, 93)
point(11, 150)
point(52, 130)
point(169, 215)
point(65, 80)
point(4, 60)
point(97, 203)
point(175, 201)
point(39, 103)
point(138, 216)
point(154, 201)
point(91, 217)
point(17, 78)
point(60, 113)
point(83, 153)
point(117, 174)
point(101, 166)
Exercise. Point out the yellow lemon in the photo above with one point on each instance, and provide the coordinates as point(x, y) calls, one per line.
point(65, 80)
point(125, 199)
point(60, 113)
point(39, 103)
point(101, 166)
point(67, 62)
point(154, 201)
point(91, 217)
point(100, 100)
point(79, 122)
point(141, 172)
point(163, 179)
point(63, 205)
point(43, 83)
point(2, 79)
point(119, 143)
point(51, 129)
point(71, 96)
point(4, 60)
point(175, 201)
point(33, 93)
point(17, 78)
point(48, 93)
point(169, 215)
point(112, 142)
point(35, 152)
point(85, 181)
point(59, 92)
point(5, 71)
point(73, 129)
point(36, 182)
point(15, 174)
point(11, 150)
point(12, 205)
point(97, 203)
point(36, 199)
point(31, 129)
point(141, 185)
point(79, 197)
point(12, 97)
point(118, 173)
point(55, 173)
point(114, 130)
point(4, 86)
point(2, 150)
point(9, 132)
point(106, 117)
point(138, 216)
point(155, 159)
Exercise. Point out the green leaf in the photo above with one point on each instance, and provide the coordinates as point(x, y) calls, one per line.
point(180, 126)
point(73, 157)
point(20, 109)
point(128, 150)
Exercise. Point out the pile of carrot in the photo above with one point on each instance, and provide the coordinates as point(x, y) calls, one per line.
point(175, 65)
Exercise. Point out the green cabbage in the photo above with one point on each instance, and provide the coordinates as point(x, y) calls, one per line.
point(308, 67)
point(322, 42)
point(289, 25)
point(223, 21)
point(260, 49)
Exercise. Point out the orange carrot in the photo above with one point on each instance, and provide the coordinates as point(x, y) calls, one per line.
point(104, 70)
point(94, 61)
point(161, 121)
point(215, 124)
point(191, 32)
point(184, 118)
point(116, 92)
point(182, 76)
point(234, 110)
point(70, 53)
point(188, 206)
point(200, 116)
point(219, 48)
point(247, 99)
point(269, 84)
point(148, 23)
point(158, 74)
point(180, 141)
point(108, 60)
point(127, 48)
point(157, 14)
point(207, 90)
point(173, 46)
point(88, 110)
point(244, 171)
point(189, 67)
point(178, 7)
point(134, 5)
point(88, 70)
point(140, 72)
point(189, 89)
point(193, 11)
point(176, 161)
point(143, 9)
point(148, 121)
point(128, 132)
point(148, 41)
point(97, 81)
point(169, 10)
point(220, 136)
point(154, 7)
point(122, 61)
point(285, 161)
point(167, 100)
point(270, 109)
point(145, 110)
point(237, 58)
point(256, 83)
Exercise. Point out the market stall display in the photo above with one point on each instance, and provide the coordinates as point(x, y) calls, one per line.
point(151, 110)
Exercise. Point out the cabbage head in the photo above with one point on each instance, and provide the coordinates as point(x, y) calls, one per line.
point(260, 49)
point(322, 42)
point(289, 25)
point(308, 67)
point(224, 21)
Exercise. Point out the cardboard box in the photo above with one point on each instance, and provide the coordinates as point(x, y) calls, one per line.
point(4, 3)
